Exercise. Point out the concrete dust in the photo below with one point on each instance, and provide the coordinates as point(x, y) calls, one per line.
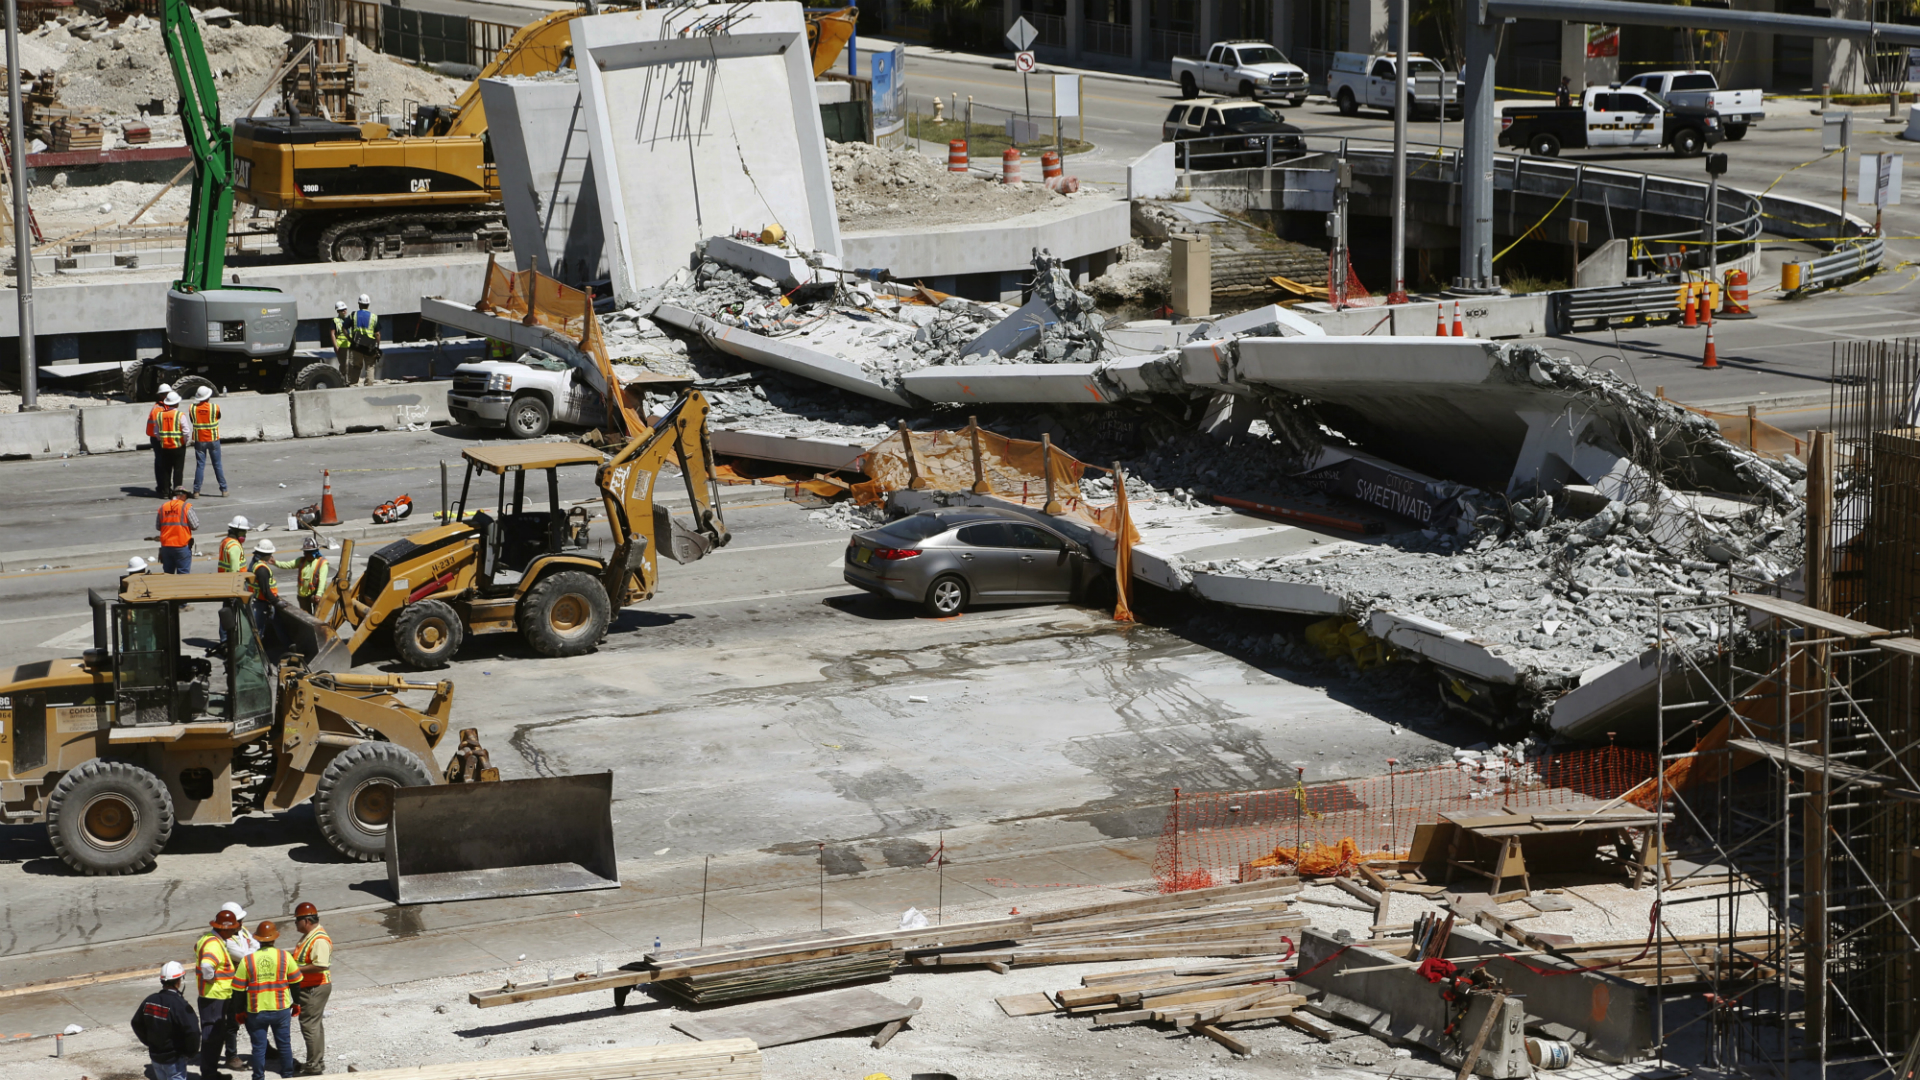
point(1142, 276)
point(878, 189)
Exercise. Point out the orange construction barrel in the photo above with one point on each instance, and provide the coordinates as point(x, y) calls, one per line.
point(1010, 165)
point(1049, 166)
point(957, 155)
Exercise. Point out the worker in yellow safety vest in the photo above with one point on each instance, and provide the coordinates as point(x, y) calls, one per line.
point(315, 574)
point(205, 416)
point(263, 591)
point(214, 966)
point(170, 429)
point(315, 957)
point(265, 979)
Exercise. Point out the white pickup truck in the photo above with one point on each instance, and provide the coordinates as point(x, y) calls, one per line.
point(1252, 69)
point(1737, 108)
point(525, 396)
point(1358, 80)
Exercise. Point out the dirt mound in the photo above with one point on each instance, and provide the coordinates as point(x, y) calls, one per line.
point(878, 189)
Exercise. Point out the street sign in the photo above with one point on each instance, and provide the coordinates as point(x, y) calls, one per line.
point(1066, 95)
point(1023, 62)
point(1021, 34)
point(1836, 131)
point(1880, 176)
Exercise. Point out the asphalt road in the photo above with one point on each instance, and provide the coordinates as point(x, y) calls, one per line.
point(756, 708)
point(1781, 361)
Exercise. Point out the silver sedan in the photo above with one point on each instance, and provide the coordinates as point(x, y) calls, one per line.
point(948, 560)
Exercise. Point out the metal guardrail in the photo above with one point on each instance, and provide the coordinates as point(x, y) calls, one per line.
point(1614, 305)
point(1848, 260)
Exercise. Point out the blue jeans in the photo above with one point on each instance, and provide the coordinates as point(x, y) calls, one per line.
point(266, 619)
point(167, 1070)
point(177, 560)
point(201, 452)
point(280, 1022)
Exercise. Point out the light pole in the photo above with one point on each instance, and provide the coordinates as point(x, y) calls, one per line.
point(22, 224)
point(1399, 293)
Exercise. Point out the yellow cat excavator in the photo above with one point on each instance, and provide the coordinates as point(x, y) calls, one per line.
point(349, 192)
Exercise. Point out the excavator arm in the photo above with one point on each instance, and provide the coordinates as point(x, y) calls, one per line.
point(641, 526)
point(545, 44)
point(212, 145)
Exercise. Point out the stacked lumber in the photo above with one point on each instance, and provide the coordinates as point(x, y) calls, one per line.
point(136, 134)
point(730, 1059)
point(1204, 998)
point(837, 969)
point(1680, 961)
point(74, 133)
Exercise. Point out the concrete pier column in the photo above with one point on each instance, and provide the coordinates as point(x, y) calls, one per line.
point(1476, 159)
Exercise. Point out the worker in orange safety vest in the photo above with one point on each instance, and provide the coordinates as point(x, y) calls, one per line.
point(176, 522)
point(161, 482)
point(170, 430)
point(205, 416)
point(315, 957)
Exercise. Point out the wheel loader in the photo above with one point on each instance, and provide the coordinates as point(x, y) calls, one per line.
point(514, 560)
point(114, 749)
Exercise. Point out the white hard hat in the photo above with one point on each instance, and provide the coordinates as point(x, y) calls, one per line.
point(264, 547)
point(365, 299)
point(238, 911)
point(339, 305)
point(240, 522)
point(165, 389)
point(312, 544)
point(171, 399)
point(171, 970)
point(205, 393)
point(136, 565)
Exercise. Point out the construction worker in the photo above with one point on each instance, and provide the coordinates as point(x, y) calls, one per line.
point(315, 573)
point(233, 546)
point(499, 350)
point(263, 591)
point(135, 565)
point(264, 981)
point(205, 416)
point(240, 946)
point(176, 521)
point(340, 342)
point(363, 342)
point(170, 428)
point(166, 1025)
point(215, 970)
point(160, 484)
point(315, 957)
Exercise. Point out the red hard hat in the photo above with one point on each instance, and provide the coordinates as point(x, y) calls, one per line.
point(225, 920)
point(306, 911)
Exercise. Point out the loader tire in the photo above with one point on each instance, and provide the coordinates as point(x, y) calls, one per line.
point(354, 800)
point(566, 614)
point(107, 818)
point(427, 633)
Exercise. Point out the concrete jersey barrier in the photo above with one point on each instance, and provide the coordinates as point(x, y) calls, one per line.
point(107, 429)
point(369, 408)
point(39, 434)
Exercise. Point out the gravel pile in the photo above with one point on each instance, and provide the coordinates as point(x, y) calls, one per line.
point(877, 189)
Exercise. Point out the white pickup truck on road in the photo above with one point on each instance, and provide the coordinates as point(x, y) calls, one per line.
point(1251, 69)
point(1357, 80)
point(1737, 108)
point(524, 396)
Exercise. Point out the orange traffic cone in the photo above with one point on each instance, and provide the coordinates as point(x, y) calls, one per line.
point(1459, 328)
point(1440, 320)
point(327, 514)
point(1692, 319)
point(1712, 360)
point(1706, 304)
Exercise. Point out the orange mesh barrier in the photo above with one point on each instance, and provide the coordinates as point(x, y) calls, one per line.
point(1217, 838)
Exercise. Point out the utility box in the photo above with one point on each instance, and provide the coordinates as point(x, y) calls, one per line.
point(1192, 274)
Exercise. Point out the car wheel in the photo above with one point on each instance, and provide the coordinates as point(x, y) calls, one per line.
point(107, 818)
point(946, 597)
point(353, 802)
point(1544, 145)
point(1348, 106)
point(1188, 88)
point(528, 417)
point(1736, 132)
point(427, 633)
point(1686, 142)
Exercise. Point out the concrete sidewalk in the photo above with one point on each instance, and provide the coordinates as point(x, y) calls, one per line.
point(380, 945)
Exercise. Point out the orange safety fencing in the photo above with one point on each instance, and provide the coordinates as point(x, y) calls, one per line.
point(1750, 431)
point(1218, 838)
point(534, 299)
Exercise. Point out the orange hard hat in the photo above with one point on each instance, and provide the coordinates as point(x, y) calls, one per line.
point(266, 932)
point(306, 911)
point(225, 920)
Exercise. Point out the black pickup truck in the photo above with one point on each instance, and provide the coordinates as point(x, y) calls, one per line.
point(1609, 117)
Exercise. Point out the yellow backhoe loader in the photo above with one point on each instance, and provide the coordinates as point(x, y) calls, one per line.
point(113, 749)
point(514, 559)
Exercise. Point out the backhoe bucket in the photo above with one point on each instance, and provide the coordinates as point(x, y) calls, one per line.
point(313, 641)
point(505, 838)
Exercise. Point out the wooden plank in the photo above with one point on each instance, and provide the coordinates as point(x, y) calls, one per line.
point(1170, 901)
point(94, 978)
point(797, 1019)
point(1264, 1012)
point(843, 946)
point(1026, 1004)
point(1802, 615)
point(885, 1035)
point(725, 1058)
point(541, 991)
point(1230, 1042)
point(1308, 1026)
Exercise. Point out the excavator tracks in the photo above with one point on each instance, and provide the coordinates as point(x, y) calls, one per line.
point(405, 235)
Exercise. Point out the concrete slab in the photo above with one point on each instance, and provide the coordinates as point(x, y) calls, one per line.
point(547, 186)
point(826, 454)
point(782, 355)
point(776, 262)
point(701, 120)
point(1603, 1015)
point(1063, 384)
point(1444, 645)
point(1085, 225)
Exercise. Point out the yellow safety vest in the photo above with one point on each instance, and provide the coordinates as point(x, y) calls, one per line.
point(233, 555)
point(268, 977)
point(304, 956)
point(253, 582)
point(213, 947)
point(340, 332)
point(314, 576)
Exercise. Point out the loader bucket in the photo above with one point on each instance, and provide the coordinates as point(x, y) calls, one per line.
point(503, 838)
point(314, 641)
